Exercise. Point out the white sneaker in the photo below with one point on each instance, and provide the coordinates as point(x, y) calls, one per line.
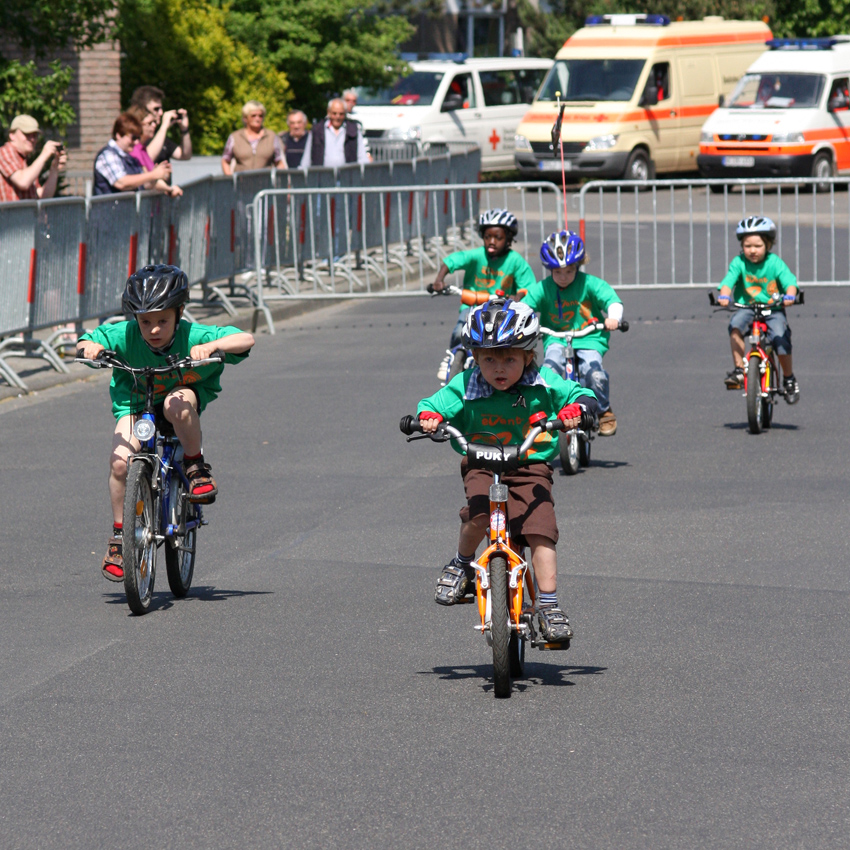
point(445, 366)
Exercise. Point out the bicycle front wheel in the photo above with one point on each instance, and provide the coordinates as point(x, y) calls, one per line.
point(139, 538)
point(499, 629)
point(755, 410)
point(568, 446)
point(180, 558)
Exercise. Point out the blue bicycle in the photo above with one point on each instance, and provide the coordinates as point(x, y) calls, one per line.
point(157, 509)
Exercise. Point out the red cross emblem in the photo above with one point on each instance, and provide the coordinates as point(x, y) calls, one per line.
point(494, 139)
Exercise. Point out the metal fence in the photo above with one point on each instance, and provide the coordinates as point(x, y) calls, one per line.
point(336, 240)
point(64, 261)
point(681, 233)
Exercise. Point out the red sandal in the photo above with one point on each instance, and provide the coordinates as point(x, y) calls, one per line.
point(203, 488)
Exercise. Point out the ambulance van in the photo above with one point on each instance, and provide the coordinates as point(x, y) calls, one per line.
point(788, 117)
point(637, 89)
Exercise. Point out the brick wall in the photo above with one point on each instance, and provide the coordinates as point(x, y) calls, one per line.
point(95, 94)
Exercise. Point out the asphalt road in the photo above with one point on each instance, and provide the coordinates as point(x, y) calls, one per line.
point(309, 693)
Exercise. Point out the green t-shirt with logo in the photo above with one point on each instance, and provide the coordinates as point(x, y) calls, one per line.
point(750, 282)
point(503, 416)
point(125, 338)
point(481, 273)
point(584, 301)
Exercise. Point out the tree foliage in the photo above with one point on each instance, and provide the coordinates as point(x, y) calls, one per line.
point(324, 46)
point(44, 25)
point(185, 49)
point(24, 90)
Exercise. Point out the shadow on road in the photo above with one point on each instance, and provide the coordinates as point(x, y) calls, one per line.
point(557, 675)
point(776, 426)
point(205, 593)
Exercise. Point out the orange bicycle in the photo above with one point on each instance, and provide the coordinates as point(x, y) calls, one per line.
point(504, 585)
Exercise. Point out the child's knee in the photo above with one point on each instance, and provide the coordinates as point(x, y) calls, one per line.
point(118, 464)
point(177, 408)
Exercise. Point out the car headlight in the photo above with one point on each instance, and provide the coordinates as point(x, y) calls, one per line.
point(787, 139)
point(706, 137)
point(521, 143)
point(601, 143)
point(407, 134)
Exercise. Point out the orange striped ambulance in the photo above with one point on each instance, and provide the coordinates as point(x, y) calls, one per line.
point(788, 117)
point(637, 89)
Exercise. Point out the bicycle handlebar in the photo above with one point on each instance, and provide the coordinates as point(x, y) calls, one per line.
point(108, 359)
point(589, 329)
point(776, 301)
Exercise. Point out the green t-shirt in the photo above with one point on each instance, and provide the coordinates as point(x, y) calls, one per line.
point(125, 338)
point(498, 418)
point(750, 282)
point(481, 273)
point(584, 301)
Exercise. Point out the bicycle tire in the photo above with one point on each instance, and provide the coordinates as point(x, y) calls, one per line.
point(516, 646)
point(139, 543)
point(457, 364)
point(584, 452)
point(180, 563)
point(754, 407)
point(568, 448)
point(499, 629)
point(767, 405)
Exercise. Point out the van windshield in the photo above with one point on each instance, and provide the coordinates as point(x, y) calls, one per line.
point(416, 89)
point(777, 91)
point(592, 79)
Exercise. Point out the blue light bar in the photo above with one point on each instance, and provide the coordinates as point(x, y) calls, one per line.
point(802, 43)
point(627, 20)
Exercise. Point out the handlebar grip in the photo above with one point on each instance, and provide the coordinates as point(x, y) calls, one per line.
point(104, 353)
point(712, 299)
point(801, 296)
point(430, 289)
point(624, 325)
point(409, 425)
point(219, 354)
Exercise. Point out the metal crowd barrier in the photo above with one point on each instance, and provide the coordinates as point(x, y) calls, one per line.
point(64, 261)
point(681, 233)
point(326, 241)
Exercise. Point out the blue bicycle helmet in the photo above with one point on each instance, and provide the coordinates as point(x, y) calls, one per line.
point(501, 323)
point(756, 225)
point(560, 250)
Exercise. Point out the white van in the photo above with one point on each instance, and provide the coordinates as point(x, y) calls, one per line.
point(637, 90)
point(479, 100)
point(788, 117)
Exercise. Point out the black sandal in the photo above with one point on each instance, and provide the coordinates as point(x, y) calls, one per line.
point(199, 475)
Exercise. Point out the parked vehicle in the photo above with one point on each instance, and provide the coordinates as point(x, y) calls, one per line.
point(789, 116)
point(637, 90)
point(474, 100)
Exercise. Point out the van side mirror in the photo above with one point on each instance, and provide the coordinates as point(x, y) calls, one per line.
point(649, 96)
point(721, 100)
point(452, 102)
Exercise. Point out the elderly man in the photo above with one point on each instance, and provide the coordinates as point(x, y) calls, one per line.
point(295, 139)
point(19, 181)
point(336, 140)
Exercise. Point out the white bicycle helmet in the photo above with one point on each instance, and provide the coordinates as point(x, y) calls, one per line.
point(498, 218)
point(756, 225)
point(501, 323)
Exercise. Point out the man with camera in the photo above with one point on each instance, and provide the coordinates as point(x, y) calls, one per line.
point(160, 148)
point(19, 180)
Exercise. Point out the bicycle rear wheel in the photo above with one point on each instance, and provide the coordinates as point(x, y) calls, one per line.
point(499, 629)
point(140, 511)
point(180, 561)
point(584, 451)
point(755, 410)
point(771, 385)
point(516, 647)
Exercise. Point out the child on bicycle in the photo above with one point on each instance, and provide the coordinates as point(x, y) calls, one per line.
point(155, 296)
point(570, 299)
point(494, 268)
point(496, 399)
point(758, 275)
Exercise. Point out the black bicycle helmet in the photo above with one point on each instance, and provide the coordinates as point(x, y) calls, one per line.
point(756, 225)
point(155, 288)
point(501, 323)
point(498, 218)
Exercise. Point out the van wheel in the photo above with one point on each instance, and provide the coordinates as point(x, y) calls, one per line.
point(822, 170)
point(638, 167)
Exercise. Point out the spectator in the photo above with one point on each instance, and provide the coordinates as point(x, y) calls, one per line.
point(147, 120)
point(117, 170)
point(349, 98)
point(254, 146)
point(20, 181)
point(160, 147)
point(336, 140)
point(295, 138)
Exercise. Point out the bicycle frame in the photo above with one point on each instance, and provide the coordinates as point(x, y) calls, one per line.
point(761, 347)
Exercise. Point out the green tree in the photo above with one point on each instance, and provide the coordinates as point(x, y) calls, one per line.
point(324, 46)
point(811, 18)
point(185, 49)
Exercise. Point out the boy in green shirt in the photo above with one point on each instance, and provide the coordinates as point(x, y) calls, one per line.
point(758, 275)
point(155, 295)
point(570, 299)
point(497, 399)
point(494, 269)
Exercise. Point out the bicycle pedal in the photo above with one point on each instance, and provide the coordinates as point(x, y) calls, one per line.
point(553, 646)
point(465, 600)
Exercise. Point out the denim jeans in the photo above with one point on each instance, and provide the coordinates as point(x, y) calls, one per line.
point(590, 371)
point(461, 322)
point(777, 327)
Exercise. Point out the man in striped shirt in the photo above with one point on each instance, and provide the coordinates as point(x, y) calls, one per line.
point(18, 180)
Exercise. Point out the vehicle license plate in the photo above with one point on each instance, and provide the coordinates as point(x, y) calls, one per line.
point(554, 165)
point(739, 161)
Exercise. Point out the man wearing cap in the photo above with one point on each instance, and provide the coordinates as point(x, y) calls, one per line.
point(19, 181)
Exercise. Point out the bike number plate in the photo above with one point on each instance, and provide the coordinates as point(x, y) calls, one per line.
point(497, 520)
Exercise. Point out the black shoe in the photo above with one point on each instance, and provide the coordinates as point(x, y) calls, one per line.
point(455, 582)
point(735, 379)
point(554, 625)
point(792, 389)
